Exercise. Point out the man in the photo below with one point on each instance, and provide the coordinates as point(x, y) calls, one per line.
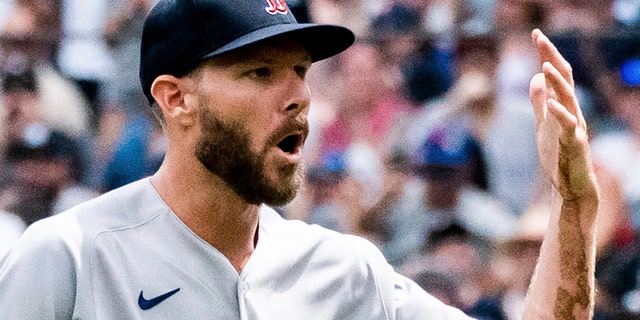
point(198, 241)
point(42, 165)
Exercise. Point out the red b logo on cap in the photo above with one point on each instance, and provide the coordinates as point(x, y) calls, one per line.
point(277, 6)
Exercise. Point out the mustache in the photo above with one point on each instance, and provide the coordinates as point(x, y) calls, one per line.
point(298, 125)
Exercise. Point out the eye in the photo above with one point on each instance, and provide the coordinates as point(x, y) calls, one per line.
point(301, 71)
point(263, 72)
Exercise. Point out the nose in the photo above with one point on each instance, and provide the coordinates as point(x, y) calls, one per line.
point(299, 97)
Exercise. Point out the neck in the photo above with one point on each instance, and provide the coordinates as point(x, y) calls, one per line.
point(210, 209)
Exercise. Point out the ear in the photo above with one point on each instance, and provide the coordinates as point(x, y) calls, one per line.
point(171, 95)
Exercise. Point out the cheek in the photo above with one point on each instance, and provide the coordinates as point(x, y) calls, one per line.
point(253, 108)
point(257, 121)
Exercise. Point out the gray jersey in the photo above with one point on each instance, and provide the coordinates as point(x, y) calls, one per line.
point(126, 255)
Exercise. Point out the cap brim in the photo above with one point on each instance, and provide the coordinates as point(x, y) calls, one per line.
point(321, 40)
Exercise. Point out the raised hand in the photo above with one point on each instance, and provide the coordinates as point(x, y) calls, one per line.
point(561, 129)
point(563, 286)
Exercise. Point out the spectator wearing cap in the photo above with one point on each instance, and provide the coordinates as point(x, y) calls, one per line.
point(460, 219)
point(325, 184)
point(420, 68)
point(454, 168)
point(617, 148)
point(41, 163)
point(504, 129)
point(448, 187)
point(615, 142)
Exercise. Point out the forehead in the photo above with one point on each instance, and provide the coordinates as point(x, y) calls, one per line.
point(277, 49)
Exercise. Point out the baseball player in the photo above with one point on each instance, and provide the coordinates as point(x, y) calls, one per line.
point(198, 239)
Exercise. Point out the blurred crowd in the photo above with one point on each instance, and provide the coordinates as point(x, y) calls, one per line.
point(422, 135)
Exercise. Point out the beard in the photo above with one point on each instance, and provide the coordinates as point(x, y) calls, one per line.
point(224, 149)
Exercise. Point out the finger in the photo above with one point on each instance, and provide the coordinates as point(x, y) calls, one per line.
point(538, 96)
point(565, 92)
point(535, 34)
point(549, 53)
point(566, 119)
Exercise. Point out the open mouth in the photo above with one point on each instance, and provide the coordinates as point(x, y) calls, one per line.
point(291, 144)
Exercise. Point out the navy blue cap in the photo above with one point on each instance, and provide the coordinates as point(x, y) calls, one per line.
point(449, 152)
point(179, 34)
point(451, 147)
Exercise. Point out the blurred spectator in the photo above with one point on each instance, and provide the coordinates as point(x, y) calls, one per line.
point(618, 276)
point(130, 144)
point(40, 19)
point(519, 16)
point(504, 128)
point(464, 258)
point(366, 111)
point(440, 285)
point(451, 191)
point(83, 54)
point(617, 148)
point(410, 54)
point(354, 14)
point(627, 14)
point(41, 164)
point(327, 204)
point(5, 10)
point(476, 17)
point(454, 168)
point(134, 148)
point(518, 59)
point(24, 47)
point(516, 258)
point(594, 16)
point(396, 32)
point(122, 33)
point(427, 74)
